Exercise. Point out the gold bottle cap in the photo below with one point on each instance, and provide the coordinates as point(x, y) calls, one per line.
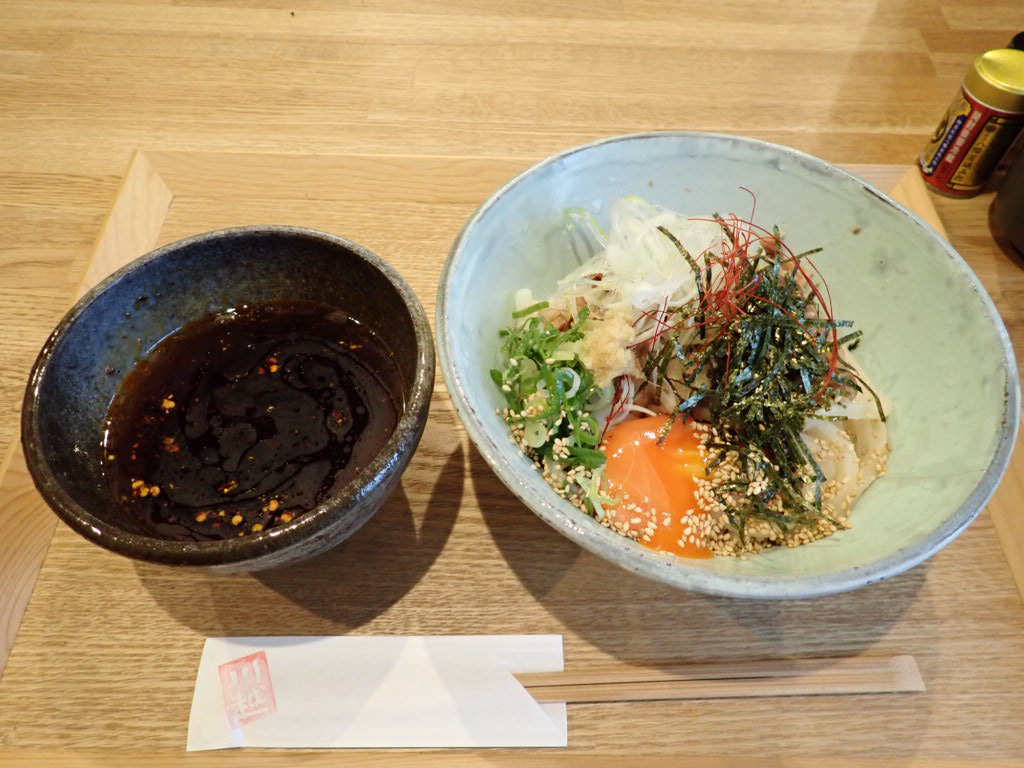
point(997, 79)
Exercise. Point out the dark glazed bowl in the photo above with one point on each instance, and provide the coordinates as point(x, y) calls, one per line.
point(95, 345)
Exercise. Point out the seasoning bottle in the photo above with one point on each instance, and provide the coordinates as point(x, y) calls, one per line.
point(979, 126)
point(1008, 206)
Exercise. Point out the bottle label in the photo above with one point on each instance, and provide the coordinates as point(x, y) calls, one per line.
point(967, 144)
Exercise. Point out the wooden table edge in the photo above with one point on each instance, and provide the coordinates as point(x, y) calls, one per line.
point(441, 758)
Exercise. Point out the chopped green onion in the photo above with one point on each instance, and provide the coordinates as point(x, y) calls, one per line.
point(531, 309)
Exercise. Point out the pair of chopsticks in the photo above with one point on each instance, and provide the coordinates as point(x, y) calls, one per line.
point(724, 680)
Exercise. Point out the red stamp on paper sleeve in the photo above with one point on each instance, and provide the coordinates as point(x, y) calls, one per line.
point(248, 691)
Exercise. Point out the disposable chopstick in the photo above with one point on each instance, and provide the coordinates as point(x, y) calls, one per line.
point(718, 680)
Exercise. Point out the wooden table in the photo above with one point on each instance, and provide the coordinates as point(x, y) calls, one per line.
point(336, 100)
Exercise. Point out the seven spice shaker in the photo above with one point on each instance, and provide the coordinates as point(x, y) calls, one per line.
point(979, 126)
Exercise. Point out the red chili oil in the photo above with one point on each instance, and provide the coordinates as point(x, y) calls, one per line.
point(245, 419)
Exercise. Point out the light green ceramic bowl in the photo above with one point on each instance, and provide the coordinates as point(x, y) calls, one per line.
point(933, 343)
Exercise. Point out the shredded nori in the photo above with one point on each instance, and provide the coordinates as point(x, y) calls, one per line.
point(762, 369)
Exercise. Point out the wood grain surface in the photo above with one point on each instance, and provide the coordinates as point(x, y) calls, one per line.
point(132, 227)
point(108, 647)
point(454, 552)
point(444, 759)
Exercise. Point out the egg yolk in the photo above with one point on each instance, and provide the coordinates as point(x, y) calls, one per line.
point(656, 484)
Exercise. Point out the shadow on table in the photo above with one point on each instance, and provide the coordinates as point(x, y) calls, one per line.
point(645, 622)
point(340, 590)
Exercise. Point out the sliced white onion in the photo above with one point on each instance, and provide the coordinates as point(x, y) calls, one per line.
point(639, 265)
point(641, 409)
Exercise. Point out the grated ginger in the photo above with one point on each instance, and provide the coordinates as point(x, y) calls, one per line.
point(605, 349)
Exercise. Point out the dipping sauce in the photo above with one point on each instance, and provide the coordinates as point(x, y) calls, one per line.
point(245, 419)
